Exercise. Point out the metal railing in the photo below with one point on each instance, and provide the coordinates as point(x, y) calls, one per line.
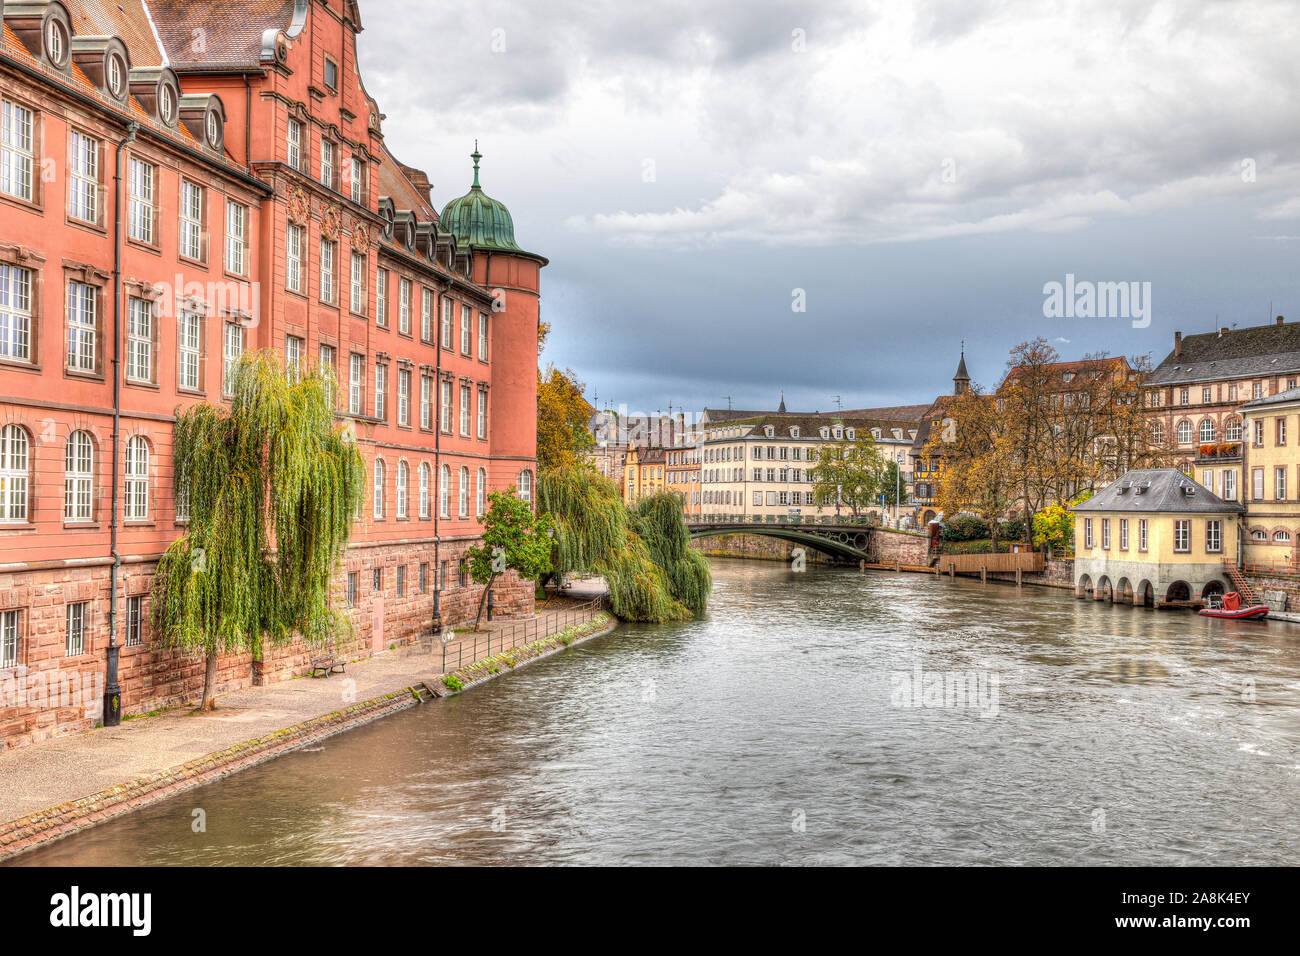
point(825, 520)
point(457, 651)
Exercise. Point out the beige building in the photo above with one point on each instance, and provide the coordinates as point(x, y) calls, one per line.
point(1154, 537)
point(763, 467)
point(1271, 463)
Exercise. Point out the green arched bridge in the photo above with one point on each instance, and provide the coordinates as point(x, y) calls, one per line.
point(841, 538)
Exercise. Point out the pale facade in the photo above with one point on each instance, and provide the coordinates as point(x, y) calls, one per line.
point(1271, 466)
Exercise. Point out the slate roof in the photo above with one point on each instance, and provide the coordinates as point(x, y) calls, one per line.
point(232, 30)
point(810, 425)
point(1236, 353)
point(906, 413)
point(1164, 495)
point(1281, 398)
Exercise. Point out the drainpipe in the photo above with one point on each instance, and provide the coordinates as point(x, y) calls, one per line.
point(112, 691)
point(436, 504)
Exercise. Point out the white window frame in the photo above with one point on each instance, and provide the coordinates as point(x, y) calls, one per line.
point(17, 150)
point(139, 340)
point(78, 477)
point(294, 242)
point(141, 179)
point(356, 372)
point(357, 291)
point(83, 177)
point(236, 238)
point(189, 346)
point(135, 485)
point(83, 326)
point(190, 236)
point(15, 465)
point(327, 250)
point(15, 313)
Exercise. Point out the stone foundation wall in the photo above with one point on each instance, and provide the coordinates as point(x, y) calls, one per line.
point(898, 547)
point(1284, 592)
point(756, 546)
point(50, 692)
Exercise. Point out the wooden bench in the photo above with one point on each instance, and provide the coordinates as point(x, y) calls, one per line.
point(325, 666)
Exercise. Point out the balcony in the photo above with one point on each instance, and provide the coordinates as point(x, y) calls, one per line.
point(1212, 452)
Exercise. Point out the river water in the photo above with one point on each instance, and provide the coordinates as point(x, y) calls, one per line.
point(781, 730)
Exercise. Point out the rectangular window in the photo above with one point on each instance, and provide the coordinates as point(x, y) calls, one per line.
point(464, 410)
point(293, 356)
point(444, 412)
point(293, 243)
point(1183, 397)
point(1087, 533)
point(327, 359)
point(236, 238)
point(1213, 536)
point(1279, 483)
point(482, 414)
point(1142, 534)
point(83, 177)
point(1105, 534)
point(426, 315)
point(188, 345)
point(424, 578)
point(426, 402)
point(134, 621)
point(1123, 534)
point(9, 639)
point(483, 336)
point(401, 580)
point(232, 348)
point(377, 579)
point(758, 498)
point(352, 589)
point(331, 74)
point(75, 630)
point(446, 322)
point(1259, 432)
point(191, 229)
point(1257, 484)
point(404, 306)
point(1281, 431)
point(82, 327)
point(381, 297)
point(1182, 536)
point(17, 156)
point(294, 140)
point(15, 313)
point(356, 181)
point(381, 390)
point(139, 340)
point(326, 271)
point(356, 375)
point(404, 396)
point(140, 184)
point(1229, 485)
point(1232, 393)
point(1205, 395)
point(327, 163)
point(357, 288)
point(465, 330)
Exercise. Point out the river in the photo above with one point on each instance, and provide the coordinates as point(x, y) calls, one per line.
point(780, 730)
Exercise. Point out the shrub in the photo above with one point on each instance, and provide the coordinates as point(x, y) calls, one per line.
point(453, 682)
point(965, 528)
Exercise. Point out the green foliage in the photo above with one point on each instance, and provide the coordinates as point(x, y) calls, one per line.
point(644, 556)
point(892, 485)
point(1012, 530)
point(850, 471)
point(965, 528)
point(1054, 528)
point(514, 539)
point(452, 682)
point(273, 484)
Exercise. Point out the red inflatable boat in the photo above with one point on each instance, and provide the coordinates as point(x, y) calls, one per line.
point(1230, 607)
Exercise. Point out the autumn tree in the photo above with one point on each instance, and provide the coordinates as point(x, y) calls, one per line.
point(849, 471)
point(563, 416)
point(975, 452)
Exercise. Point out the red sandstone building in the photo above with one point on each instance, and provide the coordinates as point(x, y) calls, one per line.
point(181, 182)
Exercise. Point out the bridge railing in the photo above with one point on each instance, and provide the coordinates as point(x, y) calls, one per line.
point(864, 521)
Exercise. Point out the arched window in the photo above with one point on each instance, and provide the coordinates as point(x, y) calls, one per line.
point(1258, 534)
point(77, 476)
point(424, 489)
point(464, 492)
point(137, 479)
point(526, 485)
point(1184, 433)
point(480, 494)
point(380, 476)
point(401, 489)
point(13, 473)
point(444, 492)
point(1282, 537)
point(1207, 431)
point(1233, 430)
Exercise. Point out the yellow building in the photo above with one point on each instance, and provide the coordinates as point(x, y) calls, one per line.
point(1155, 536)
point(643, 473)
point(1271, 466)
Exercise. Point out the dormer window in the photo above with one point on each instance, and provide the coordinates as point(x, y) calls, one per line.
point(167, 104)
point(825, 432)
point(116, 76)
point(849, 433)
point(875, 433)
point(839, 433)
point(768, 430)
point(212, 130)
point(56, 43)
point(794, 431)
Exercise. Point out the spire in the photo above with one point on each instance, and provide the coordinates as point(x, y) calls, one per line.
point(781, 408)
point(476, 156)
point(961, 381)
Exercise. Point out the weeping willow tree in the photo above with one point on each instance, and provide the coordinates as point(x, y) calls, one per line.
point(595, 533)
point(272, 484)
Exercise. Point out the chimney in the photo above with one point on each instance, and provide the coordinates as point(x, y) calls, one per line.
point(1223, 331)
point(1279, 320)
point(1178, 344)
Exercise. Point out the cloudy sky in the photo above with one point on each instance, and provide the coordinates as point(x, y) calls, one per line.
point(913, 173)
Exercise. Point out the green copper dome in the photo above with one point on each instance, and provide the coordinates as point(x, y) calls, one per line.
point(479, 221)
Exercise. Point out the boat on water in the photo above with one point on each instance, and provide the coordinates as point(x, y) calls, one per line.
point(1230, 607)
